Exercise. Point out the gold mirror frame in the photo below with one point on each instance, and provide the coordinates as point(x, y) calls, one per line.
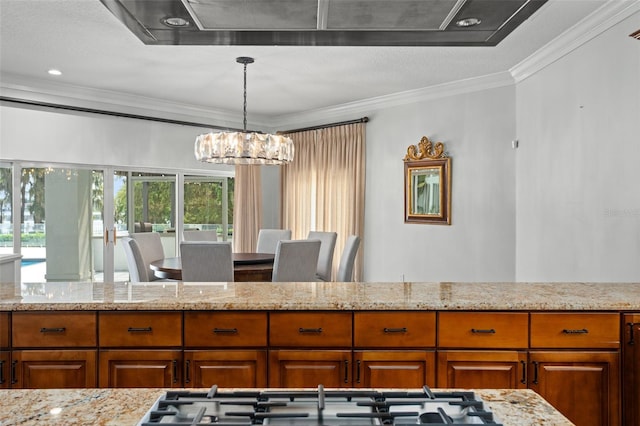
point(427, 184)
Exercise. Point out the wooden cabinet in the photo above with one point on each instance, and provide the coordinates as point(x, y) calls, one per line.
point(582, 384)
point(140, 349)
point(228, 349)
point(293, 334)
point(5, 355)
point(135, 368)
point(482, 369)
point(53, 350)
point(394, 349)
point(483, 349)
point(631, 369)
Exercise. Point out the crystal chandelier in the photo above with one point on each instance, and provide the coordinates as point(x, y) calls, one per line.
point(244, 147)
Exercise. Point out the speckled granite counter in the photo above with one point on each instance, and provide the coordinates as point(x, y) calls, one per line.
point(122, 407)
point(321, 296)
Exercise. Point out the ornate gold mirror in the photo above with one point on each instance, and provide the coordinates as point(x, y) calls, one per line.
point(427, 184)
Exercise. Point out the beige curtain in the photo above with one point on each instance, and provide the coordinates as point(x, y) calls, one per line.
point(247, 210)
point(323, 188)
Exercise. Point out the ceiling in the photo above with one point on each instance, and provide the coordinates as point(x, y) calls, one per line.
point(103, 59)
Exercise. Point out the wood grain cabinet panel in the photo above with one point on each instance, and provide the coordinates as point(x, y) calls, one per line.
point(4, 330)
point(575, 330)
point(225, 368)
point(483, 330)
point(47, 369)
point(310, 329)
point(394, 329)
point(148, 368)
point(631, 369)
point(482, 369)
point(53, 329)
point(140, 329)
point(225, 329)
point(394, 369)
point(308, 369)
point(584, 386)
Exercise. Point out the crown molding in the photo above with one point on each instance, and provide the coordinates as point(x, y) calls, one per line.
point(593, 25)
point(366, 106)
point(21, 87)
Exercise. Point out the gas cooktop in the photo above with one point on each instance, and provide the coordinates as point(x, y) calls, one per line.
point(317, 407)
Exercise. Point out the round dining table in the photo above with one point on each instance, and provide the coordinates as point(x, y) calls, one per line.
point(246, 267)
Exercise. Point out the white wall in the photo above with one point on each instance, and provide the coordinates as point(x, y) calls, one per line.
point(479, 245)
point(578, 165)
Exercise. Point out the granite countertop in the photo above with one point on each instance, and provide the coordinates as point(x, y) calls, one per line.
point(123, 407)
point(320, 296)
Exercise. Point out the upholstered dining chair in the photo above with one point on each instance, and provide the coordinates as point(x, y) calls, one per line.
point(137, 270)
point(206, 261)
point(325, 258)
point(296, 260)
point(268, 239)
point(348, 258)
point(150, 247)
point(208, 235)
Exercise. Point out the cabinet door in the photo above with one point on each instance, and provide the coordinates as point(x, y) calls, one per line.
point(5, 375)
point(4, 330)
point(394, 369)
point(140, 368)
point(482, 369)
point(49, 369)
point(229, 369)
point(308, 369)
point(631, 370)
point(581, 385)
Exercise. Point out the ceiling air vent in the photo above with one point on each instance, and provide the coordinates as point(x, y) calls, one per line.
point(635, 35)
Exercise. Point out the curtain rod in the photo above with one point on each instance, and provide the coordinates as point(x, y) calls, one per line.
point(325, 126)
point(112, 113)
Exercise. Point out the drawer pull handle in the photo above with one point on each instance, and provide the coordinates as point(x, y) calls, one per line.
point(53, 330)
point(175, 371)
point(14, 376)
point(1, 372)
point(139, 329)
point(310, 330)
point(581, 331)
point(481, 331)
point(346, 371)
point(358, 371)
point(395, 330)
point(535, 372)
point(187, 373)
point(524, 372)
point(225, 330)
point(631, 339)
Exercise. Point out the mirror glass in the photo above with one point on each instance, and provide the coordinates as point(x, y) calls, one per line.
point(427, 183)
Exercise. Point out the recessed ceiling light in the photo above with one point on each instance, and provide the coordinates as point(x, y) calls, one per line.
point(468, 22)
point(54, 71)
point(175, 22)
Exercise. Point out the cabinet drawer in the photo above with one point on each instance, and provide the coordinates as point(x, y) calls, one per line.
point(53, 329)
point(394, 329)
point(225, 329)
point(483, 330)
point(575, 330)
point(312, 329)
point(140, 329)
point(4, 330)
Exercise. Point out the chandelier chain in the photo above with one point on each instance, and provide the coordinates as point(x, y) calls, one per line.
point(245, 98)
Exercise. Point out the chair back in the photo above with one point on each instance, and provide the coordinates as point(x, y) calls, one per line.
point(348, 258)
point(268, 239)
point(325, 258)
point(150, 246)
point(296, 260)
point(206, 261)
point(137, 270)
point(209, 235)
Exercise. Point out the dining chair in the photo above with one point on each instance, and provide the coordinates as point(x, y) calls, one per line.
point(345, 268)
point(268, 239)
point(206, 261)
point(194, 235)
point(150, 247)
point(137, 271)
point(296, 260)
point(325, 258)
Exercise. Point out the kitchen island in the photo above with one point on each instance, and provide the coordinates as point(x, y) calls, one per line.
point(568, 342)
point(125, 407)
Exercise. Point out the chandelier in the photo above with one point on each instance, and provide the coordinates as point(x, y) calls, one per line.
point(244, 147)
